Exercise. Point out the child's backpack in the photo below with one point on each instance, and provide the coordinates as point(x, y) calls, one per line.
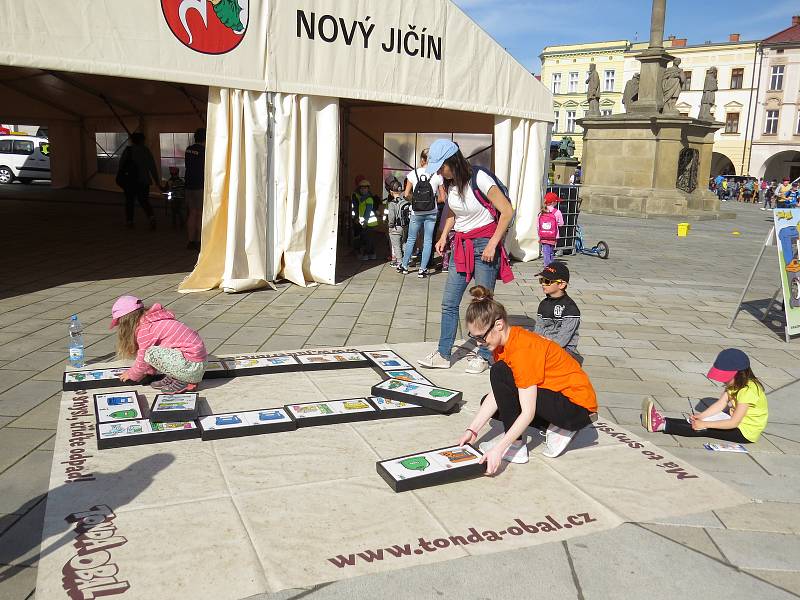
point(548, 227)
point(423, 198)
point(404, 210)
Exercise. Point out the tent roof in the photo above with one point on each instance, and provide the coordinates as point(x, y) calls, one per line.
point(41, 94)
point(422, 52)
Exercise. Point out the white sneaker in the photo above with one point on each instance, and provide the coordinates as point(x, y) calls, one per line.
point(762, 208)
point(517, 452)
point(556, 441)
point(476, 364)
point(434, 360)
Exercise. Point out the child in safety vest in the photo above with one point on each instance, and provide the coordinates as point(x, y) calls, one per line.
point(550, 219)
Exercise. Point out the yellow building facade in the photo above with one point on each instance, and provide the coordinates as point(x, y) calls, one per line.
point(565, 70)
point(735, 79)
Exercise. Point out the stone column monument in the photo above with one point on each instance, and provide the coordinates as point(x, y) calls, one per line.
point(650, 161)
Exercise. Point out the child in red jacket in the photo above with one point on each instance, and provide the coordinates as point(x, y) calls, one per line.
point(550, 219)
point(160, 343)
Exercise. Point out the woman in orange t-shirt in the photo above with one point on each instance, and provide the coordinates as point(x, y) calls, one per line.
point(534, 382)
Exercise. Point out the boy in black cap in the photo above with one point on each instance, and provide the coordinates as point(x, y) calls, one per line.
point(558, 317)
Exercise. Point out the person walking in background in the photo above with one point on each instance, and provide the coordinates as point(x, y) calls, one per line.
point(479, 212)
point(195, 182)
point(725, 191)
point(137, 168)
point(769, 194)
point(423, 191)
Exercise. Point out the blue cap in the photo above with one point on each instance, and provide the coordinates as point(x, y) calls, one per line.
point(439, 152)
point(729, 362)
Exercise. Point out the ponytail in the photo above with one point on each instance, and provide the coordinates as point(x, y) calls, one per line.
point(484, 309)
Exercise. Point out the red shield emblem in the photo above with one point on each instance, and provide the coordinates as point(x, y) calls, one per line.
point(208, 26)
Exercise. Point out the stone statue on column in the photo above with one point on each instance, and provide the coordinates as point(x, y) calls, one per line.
point(671, 86)
point(631, 93)
point(707, 101)
point(593, 91)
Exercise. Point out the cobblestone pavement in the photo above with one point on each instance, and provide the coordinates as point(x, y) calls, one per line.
point(654, 315)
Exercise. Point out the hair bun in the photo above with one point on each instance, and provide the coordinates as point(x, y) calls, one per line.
point(480, 293)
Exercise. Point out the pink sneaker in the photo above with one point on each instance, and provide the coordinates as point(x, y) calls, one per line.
point(652, 420)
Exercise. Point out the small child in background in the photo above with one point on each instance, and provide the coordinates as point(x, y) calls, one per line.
point(395, 218)
point(160, 344)
point(550, 219)
point(740, 414)
point(176, 198)
point(558, 317)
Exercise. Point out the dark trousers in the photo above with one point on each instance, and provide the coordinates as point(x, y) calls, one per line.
point(682, 428)
point(552, 408)
point(140, 193)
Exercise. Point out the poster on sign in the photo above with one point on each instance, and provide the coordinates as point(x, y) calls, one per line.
point(787, 231)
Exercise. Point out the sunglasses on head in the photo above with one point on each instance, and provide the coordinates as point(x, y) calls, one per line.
point(481, 339)
point(546, 281)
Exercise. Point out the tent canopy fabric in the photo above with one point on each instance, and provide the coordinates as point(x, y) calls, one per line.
point(420, 53)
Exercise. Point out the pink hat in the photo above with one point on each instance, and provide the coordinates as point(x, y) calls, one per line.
point(123, 306)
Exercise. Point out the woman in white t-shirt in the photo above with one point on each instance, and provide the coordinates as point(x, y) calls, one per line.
point(477, 249)
point(425, 220)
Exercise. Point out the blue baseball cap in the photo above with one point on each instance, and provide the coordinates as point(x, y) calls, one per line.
point(439, 152)
point(728, 363)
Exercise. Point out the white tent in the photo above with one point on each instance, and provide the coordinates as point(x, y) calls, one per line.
point(284, 82)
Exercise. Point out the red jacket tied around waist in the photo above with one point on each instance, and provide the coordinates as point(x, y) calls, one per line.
point(464, 252)
point(158, 327)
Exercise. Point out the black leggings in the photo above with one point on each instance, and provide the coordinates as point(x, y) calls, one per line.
point(552, 408)
point(142, 194)
point(683, 428)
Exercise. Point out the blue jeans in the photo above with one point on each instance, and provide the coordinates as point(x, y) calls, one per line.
point(547, 253)
point(485, 274)
point(417, 222)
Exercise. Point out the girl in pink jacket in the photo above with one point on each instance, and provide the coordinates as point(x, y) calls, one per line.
point(160, 343)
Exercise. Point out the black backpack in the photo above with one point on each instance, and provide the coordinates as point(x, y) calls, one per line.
point(423, 200)
point(405, 213)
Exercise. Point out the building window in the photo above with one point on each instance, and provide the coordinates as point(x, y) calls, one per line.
point(776, 80)
point(403, 149)
point(798, 122)
point(109, 147)
point(687, 84)
point(609, 81)
point(556, 117)
point(732, 123)
point(606, 112)
point(570, 121)
point(556, 83)
point(771, 125)
point(573, 82)
point(737, 79)
point(173, 150)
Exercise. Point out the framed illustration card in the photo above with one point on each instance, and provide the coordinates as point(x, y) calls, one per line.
point(431, 467)
point(143, 431)
point(260, 364)
point(436, 398)
point(174, 408)
point(92, 379)
point(239, 424)
point(117, 406)
point(311, 414)
point(411, 375)
point(343, 359)
point(392, 409)
point(387, 360)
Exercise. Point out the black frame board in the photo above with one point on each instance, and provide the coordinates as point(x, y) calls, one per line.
point(246, 430)
point(143, 409)
point(156, 437)
point(437, 478)
point(435, 405)
point(175, 416)
point(333, 419)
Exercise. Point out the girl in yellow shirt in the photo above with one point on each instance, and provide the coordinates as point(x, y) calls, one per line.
point(740, 414)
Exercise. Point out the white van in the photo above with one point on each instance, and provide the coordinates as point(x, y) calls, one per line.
point(24, 157)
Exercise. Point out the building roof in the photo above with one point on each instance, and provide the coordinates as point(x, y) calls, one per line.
point(790, 35)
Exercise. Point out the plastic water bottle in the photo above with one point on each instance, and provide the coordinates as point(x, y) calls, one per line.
point(75, 342)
